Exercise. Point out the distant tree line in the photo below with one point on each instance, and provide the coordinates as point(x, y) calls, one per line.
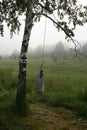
point(84, 50)
point(55, 52)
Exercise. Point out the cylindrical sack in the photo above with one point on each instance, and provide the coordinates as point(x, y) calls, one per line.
point(40, 82)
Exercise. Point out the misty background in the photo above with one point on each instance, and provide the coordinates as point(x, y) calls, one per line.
point(9, 46)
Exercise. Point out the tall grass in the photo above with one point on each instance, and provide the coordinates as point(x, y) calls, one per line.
point(65, 83)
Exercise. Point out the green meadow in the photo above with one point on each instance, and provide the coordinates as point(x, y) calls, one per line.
point(65, 86)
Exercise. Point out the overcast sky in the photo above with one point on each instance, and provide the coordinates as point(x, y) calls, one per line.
point(8, 45)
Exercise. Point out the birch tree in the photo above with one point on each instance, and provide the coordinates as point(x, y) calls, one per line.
point(65, 15)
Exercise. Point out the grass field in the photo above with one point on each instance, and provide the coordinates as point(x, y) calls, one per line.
point(65, 86)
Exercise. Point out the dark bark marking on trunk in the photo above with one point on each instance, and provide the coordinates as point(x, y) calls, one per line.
point(21, 91)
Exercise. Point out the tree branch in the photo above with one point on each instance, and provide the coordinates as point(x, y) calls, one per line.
point(56, 23)
point(45, 7)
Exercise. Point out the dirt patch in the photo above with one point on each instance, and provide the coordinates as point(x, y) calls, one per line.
point(44, 118)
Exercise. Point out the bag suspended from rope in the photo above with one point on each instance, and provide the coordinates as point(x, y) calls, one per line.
point(40, 76)
point(40, 82)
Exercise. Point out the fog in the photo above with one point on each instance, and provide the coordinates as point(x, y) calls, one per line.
point(55, 52)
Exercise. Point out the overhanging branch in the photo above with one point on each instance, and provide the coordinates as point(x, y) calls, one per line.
point(59, 26)
point(56, 23)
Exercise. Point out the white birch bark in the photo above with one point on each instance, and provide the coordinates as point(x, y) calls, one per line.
point(21, 91)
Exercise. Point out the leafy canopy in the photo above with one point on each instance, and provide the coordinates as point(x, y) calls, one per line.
point(65, 14)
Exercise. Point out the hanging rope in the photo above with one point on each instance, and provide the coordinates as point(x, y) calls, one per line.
point(44, 44)
point(40, 75)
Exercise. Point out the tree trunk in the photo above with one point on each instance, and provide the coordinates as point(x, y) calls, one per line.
point(21, 91)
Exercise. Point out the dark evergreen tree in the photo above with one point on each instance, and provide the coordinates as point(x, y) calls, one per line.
point(59, 51)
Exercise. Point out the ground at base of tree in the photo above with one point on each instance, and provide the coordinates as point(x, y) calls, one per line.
point(44, 118)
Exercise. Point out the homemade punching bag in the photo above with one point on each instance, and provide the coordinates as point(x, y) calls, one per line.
point(40, 75)
point(40, 82)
